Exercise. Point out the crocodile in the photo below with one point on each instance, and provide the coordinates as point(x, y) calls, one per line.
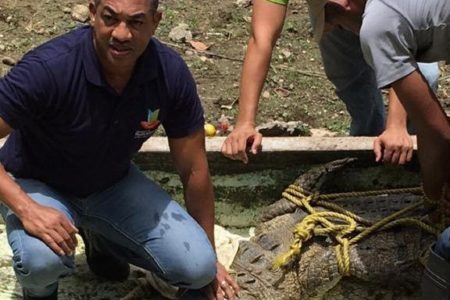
point(384, 265)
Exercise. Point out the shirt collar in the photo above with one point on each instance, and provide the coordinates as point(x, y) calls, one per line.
point(147, 66)
point(91, 61)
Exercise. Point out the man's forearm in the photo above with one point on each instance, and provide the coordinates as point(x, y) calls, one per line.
point(254, 72)
point(267, 23)
point(397, 116)
point(190, 160)
point(433, 131)
point(11, 194)
point(199, 198)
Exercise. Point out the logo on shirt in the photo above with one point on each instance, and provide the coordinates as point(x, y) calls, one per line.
point(149, 126)
point(152, 120)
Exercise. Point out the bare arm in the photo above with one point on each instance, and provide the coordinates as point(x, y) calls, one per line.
point(11, 194)
point(190, 160)
point(433, 131)
point(397, 114)
point(394, 145)
point(45, 223)
point(267, 23)
point(8, 188)
point(189, 155)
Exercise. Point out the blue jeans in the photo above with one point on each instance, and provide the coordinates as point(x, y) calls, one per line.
point(139, 219)
point(442, 247)
point(355, 81)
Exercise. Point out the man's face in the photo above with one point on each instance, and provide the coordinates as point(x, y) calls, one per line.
point(122, 30)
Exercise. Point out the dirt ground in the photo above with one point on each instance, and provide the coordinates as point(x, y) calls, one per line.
point(296, 88)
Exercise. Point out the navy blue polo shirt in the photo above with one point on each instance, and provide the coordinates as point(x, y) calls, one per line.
point(72, 130)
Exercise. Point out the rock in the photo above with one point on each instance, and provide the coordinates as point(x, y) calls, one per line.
point(322, 132)
point(280, 128)
point(266, 95)
point(243, 3)
point(281, 92)
point(2, 47)
point(286, 53)
point(80, 13)
point(181, 33)
point(9, 61)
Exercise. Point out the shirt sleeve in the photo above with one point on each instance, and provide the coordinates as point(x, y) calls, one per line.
point(25, 92)
point(388, 45)
point(185, 114)
point(282, 2)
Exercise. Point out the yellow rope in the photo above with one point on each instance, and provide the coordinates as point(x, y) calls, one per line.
point(346, 227)
point(412, 222)
point(337, 208)
point(298, 191)
point(306, 230)
point(372, 193)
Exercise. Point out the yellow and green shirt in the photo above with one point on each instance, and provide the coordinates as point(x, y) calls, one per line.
point(282, 2)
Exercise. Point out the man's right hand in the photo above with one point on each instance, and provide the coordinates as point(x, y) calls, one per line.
point(243, 137)
point(52, 227)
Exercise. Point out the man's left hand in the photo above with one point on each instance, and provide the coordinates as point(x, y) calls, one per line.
point(393, 146)
point(223, 287)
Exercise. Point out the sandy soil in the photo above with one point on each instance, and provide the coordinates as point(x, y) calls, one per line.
point(84, 285)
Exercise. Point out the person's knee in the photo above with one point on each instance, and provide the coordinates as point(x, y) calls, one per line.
point(40, 266)
point(442, 247)
point(195, 273)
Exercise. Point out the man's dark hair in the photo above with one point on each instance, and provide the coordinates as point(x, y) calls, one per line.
point(153, 4)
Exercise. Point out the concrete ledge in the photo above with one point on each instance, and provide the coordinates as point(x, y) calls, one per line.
point(281, 144)
point(277, 144)
point(277, 153)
